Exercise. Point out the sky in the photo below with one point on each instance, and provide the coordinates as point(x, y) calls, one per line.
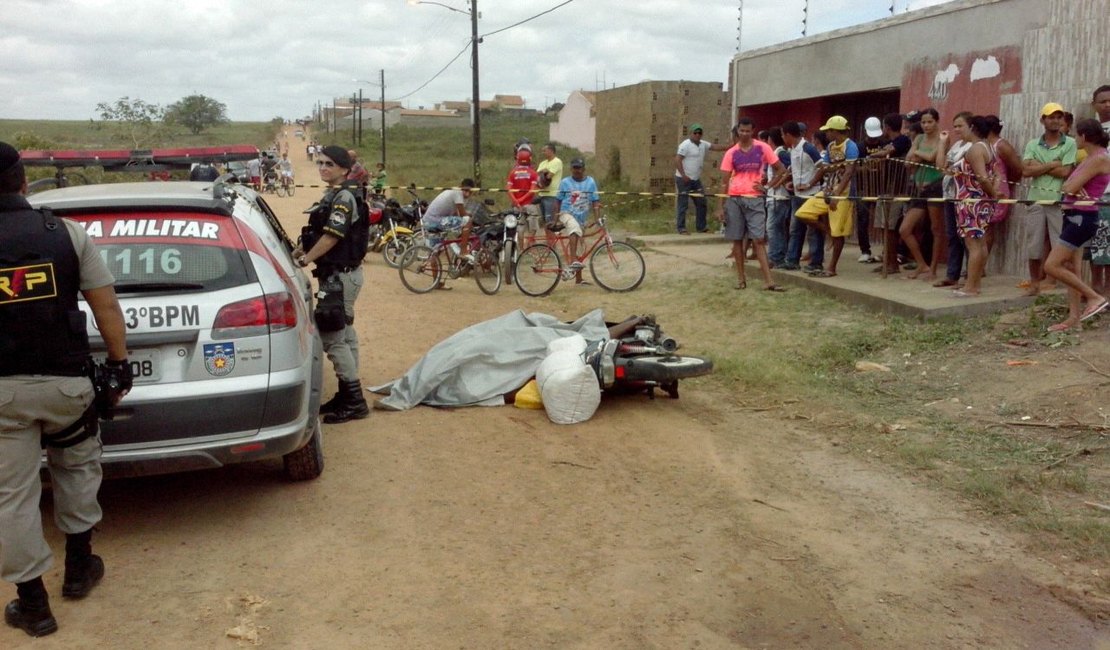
point(271, 58)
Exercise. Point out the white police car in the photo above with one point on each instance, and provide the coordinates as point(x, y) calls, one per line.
point(220, 335)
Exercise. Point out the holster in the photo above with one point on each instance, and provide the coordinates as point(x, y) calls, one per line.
point(330, 314)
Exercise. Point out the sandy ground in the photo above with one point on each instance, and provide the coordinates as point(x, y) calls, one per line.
point(690, 523)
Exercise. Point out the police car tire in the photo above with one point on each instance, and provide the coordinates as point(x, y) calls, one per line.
point(307, 462)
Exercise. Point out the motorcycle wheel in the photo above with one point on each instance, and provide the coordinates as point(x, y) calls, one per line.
point(664, 369)
point(538, 270)
point(395, 248)
point(508, 260)
point(420, 269)
point(487, 271)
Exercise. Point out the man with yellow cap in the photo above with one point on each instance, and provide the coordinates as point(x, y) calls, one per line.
point(828, 211)
point(1048, 160)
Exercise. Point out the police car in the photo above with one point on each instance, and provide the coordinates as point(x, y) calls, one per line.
point(220, 335)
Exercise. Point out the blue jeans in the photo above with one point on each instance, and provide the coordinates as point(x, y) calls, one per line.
point(549, 206)
point(956, 247)
point(778, 231)
point(798, 235)
point(700, 209)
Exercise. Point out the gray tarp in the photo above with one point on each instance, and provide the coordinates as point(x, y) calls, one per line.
point(478, 365)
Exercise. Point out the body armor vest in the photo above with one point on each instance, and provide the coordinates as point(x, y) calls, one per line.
point(41, 329)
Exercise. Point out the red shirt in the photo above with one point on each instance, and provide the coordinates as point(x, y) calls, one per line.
point(522, 185)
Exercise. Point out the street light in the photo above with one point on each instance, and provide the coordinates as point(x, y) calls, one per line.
point(475, 102)
point(381, 107)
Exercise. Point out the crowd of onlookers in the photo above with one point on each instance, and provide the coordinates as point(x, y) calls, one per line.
point(952, 180)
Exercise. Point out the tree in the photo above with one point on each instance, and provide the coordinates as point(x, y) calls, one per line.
point(197, 113)
point(135, 120)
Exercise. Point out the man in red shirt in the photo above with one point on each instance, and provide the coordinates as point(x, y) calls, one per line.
point(522, 188)
point(745, 210)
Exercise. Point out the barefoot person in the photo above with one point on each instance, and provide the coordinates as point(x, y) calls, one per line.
point(927, 185)
point(1089, 181)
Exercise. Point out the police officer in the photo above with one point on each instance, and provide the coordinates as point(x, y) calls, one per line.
point(335, 239)
point(46, 397)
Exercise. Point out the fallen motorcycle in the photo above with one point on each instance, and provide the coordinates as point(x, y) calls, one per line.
point(640, 357)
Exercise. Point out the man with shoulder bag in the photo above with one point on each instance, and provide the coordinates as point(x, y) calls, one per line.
point(335, 239)
point(47, 398)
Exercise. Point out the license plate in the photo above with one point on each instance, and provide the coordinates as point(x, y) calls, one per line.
point(146, 365)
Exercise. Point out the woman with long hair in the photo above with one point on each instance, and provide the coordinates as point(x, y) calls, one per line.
point(974, 180)
point(927, 185)
point(1007, 171)
point(1088, 182)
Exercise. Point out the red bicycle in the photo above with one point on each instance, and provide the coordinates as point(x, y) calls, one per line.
point(425, 267)
point(614, 265)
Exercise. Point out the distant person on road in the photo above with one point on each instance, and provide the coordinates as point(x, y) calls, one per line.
point(46, 397)
point(286, 167)
point(335, 239)
point(254, 170)
point(550, 171)
point(578, 197)
point(688, 163)
point(745, 210)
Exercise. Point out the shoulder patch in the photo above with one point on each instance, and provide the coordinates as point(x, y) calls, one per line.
point(25, 283)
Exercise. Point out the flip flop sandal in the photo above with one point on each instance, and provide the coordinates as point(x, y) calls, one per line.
point(960, 293)
point(822, 274)
point(1094, 310)
point(1059, 327)
point(775, 288)
point(743, 284)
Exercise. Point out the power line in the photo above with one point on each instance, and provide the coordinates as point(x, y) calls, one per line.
point(436, 75)
point(527, 19)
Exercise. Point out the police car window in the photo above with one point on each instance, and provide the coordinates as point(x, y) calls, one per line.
point(199, 252)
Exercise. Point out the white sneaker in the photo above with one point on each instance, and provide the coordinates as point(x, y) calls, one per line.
point(864, 259)
point(576, 266)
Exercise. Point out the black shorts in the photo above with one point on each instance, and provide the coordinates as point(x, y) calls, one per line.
point(933, 190)
point(1079, 228)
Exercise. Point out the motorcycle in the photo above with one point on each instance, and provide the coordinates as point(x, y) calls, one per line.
point(640, 357)
point(499, 236)
point(397, 230)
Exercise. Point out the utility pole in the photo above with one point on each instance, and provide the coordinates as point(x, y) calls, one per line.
point(474, 90)
point(360, 117)
point(381, 78)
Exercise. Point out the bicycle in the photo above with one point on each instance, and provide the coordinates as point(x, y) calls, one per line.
point(425, 267)
point(286, 187)
point(270, 183)
point(614, 265)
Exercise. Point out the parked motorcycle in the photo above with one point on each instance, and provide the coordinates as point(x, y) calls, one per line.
point(398, 229)
point(640, 357)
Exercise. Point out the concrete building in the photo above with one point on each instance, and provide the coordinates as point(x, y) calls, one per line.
point(1006, 57)
point(576, 123)
point(639, 127)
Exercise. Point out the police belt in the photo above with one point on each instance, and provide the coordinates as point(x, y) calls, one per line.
point(328, 269)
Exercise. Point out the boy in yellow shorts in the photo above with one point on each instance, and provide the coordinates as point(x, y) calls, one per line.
point(833, 216)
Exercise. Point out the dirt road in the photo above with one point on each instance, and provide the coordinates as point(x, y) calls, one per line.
point(657, 524)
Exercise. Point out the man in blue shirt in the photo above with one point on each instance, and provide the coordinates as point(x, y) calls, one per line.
point(577, 196)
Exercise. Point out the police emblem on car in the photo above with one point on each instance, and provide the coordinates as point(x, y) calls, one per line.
point(219, 358)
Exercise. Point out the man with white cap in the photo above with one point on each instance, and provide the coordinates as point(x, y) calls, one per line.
point(873, 143)
point(1048, 160)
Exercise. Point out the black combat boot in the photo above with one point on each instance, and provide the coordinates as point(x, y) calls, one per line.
point(353, 406)
point(83, 569)
point(332, 404)
point(31, 611)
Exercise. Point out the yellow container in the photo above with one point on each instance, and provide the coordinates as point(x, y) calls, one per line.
point(528, 397)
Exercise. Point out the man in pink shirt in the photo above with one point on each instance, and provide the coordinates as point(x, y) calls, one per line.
point(745, 210)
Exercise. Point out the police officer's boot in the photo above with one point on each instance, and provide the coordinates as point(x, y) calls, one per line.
point(353, 406)
point(31, 611)
point(332, 404)
point(83, 569)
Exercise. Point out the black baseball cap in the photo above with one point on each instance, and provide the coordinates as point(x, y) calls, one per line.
point(578, 163)
point(9, 156)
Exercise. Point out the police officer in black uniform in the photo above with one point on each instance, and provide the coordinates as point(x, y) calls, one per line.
point(47, 397)
point(335, 239)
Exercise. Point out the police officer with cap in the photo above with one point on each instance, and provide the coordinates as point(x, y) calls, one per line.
point(335, 239)
point(47, 397)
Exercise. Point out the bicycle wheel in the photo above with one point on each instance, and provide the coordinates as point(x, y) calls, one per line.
point(395, 248)
point(280, 189)
point(290, 188)
point(420, 269)
point(538, 270)
point(487, 271)
point(617, 267)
